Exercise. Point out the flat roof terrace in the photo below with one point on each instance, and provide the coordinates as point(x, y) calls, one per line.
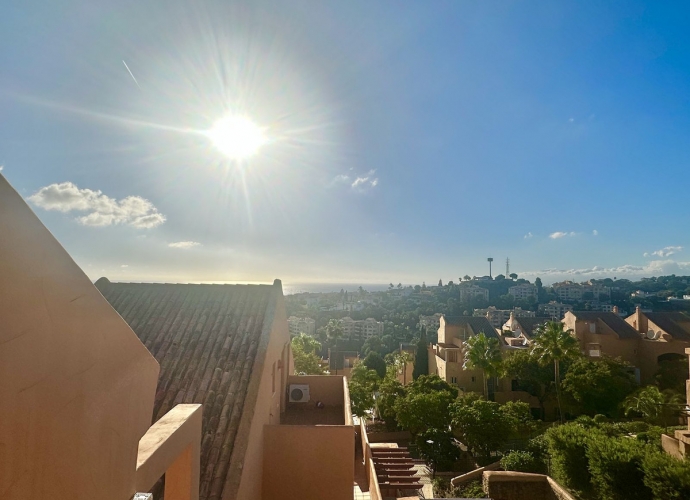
point(328, 403)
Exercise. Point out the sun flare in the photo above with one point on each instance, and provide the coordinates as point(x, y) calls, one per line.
point(237, 137)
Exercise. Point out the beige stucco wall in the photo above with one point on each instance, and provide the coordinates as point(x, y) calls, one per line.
point(308, 462)
point(262, 406)
point(76, 384)
point(325, 388)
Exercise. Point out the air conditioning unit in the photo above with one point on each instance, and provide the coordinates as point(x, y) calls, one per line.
point(299, 393)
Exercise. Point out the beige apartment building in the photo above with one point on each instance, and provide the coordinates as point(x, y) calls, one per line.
point(607, 334)
point(554, 310)
point(302, 325)
point(447, 356)
point(525, 291)
point(468, 292)
point(210, 365)
point(361, 329)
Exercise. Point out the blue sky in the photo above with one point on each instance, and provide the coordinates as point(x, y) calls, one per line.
point(406, 141)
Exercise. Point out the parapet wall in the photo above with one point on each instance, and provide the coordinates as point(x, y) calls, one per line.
point(523, 486)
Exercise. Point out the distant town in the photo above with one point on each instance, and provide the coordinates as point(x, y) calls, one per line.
point(401, 311)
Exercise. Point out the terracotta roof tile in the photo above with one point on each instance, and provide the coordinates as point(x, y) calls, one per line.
point(205, 338)
point(529, 325)
point(478, 324)
point(676, 324)
point(612, 320)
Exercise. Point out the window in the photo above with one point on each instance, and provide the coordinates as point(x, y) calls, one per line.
point(473, 379)
point(453, 380)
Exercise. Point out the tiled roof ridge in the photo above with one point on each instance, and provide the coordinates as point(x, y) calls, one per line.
point(232, 478)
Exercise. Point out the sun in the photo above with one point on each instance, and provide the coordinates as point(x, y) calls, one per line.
point(236, 136)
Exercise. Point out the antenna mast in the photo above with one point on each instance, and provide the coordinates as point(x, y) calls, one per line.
point(507, 267)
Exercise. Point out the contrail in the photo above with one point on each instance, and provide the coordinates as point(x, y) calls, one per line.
point(130, 73)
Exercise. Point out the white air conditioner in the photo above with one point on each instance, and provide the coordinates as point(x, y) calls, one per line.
point(299, 393)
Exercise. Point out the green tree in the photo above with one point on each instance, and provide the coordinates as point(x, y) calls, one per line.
point(334, 330)
point(427, 384)
point(438, 448)
point(390, 390)
point(363, 383)
point(467, 277)
point(417, 412)
point(532, 377)
point(513, 276)
point(421, 358)
point(656, 407)
point(672, 374)
point(599, 386)
point(483, 353)
point(304, 348)
point(552, 344)
point(375, 362)
point(479, 424)
point(399, 361)
point(373, 344)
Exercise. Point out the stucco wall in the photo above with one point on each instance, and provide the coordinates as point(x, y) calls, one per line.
point(245, 478)
point(325, 388)
point(308, 462)
point(76, 384)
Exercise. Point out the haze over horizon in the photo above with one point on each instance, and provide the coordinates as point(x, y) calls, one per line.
point(352, 142)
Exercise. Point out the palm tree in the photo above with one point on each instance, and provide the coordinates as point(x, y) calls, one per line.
point(656, 407)
point(400, 360)
point(552, 344)
point(482, 353)
point(334, 330)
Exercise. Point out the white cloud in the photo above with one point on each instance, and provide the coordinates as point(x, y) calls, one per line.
point(1, 167)
point(360, 183)
point(664, 252)
point(528, 235)
point(184, 244)
point(124, 265)
point(595, 232)
point(571, 120)
point(561, 234)
point(101, 210)
point(652, 268)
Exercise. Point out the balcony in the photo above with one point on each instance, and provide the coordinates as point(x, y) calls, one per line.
point(311, 453)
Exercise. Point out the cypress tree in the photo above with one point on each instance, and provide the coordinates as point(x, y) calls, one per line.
point(421, 358)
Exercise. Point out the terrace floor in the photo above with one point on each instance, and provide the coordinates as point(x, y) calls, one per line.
point(309, 414)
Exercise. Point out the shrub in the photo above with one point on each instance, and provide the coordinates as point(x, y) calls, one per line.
point(471, 489)
point(568, 450)
point(665, 476)
point(523, 461)
point(616, 468)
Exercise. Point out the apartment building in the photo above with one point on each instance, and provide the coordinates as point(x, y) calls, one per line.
point(446, 357)
point(497, 317)
point(469, 292)
point(430, 323)
point(644, 339)
point(554, 310)
point(568, 291)
point(525, 291)
point(301, 325)
point(361, 329)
